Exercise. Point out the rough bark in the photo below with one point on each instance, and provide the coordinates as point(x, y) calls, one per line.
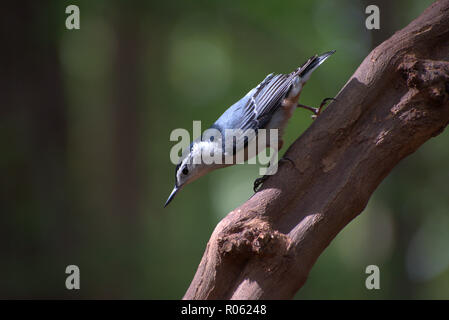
point(396, 100)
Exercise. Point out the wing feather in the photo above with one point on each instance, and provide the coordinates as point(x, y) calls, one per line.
point(265, 101)
point(267, 97)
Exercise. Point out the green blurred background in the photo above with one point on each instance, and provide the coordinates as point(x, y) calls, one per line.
point(85, 121)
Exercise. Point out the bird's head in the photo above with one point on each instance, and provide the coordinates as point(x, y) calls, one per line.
point(189, 168)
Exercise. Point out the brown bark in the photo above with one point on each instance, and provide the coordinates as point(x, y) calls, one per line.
point(396, 100)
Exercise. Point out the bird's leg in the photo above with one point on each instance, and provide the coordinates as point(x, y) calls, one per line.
point(259, 181)
point(316, 111)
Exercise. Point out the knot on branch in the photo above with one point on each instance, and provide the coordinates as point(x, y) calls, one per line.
point(429, 77)
point(254, 237)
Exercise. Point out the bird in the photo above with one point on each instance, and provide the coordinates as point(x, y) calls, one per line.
point(267, 106)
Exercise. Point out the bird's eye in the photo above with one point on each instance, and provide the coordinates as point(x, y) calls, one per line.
point(185, 171)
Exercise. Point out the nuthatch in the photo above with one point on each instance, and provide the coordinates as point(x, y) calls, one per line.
point(264, 107)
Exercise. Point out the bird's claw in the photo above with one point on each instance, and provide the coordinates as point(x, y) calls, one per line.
point(259, 181)
point(317, 111)
point(322, 105)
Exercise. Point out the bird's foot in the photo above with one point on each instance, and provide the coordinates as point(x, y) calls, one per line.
point(259, 181)
point(317, 111)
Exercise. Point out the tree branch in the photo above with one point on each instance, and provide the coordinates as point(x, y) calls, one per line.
point(395, 101)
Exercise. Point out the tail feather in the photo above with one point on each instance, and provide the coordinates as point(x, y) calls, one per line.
point(305, 71)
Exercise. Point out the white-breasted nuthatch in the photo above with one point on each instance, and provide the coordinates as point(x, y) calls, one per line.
point(263, 107)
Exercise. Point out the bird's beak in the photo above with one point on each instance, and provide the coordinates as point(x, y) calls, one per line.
point(171, 196)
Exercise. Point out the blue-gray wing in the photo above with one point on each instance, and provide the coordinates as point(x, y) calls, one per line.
point(264, 100)
point(255, 109)
point(259, 105)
